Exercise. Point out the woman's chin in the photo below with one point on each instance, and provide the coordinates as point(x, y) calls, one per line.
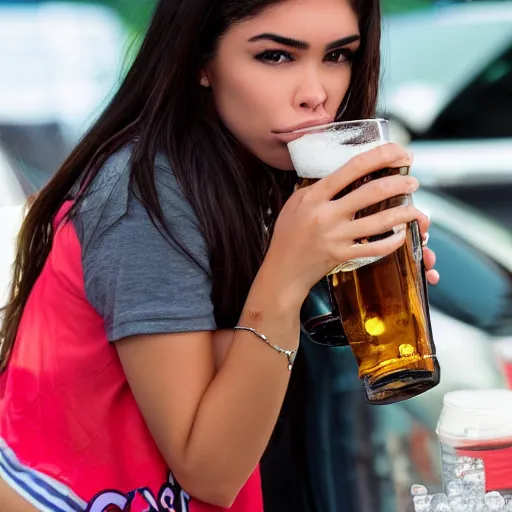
point(281, 161)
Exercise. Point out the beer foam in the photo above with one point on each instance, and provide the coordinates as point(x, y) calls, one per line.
point(316, 155)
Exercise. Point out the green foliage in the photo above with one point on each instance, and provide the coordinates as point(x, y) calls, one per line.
point(136, 13)
point(392, 6)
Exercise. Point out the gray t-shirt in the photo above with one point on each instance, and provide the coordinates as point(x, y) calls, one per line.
point(137, 278)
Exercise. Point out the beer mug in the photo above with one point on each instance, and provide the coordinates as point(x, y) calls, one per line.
point(382, 302)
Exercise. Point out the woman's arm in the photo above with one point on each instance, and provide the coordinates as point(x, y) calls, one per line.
point(212, 429)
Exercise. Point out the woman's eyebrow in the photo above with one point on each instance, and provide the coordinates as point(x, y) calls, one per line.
point(303, 45)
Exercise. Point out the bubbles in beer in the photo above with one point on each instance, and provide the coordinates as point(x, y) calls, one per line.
point(375, 326)
point(406, 350)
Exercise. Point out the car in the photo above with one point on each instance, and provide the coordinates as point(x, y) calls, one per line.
point(417, 84)
point(449, 99)
point(60, 63)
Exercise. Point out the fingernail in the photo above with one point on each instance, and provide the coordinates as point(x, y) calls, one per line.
point(400, 234)
point(404, 161)
point(399, 228)
point(426, 238)
point(415, 184)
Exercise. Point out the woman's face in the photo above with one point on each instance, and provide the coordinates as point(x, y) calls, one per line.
point(287, 67)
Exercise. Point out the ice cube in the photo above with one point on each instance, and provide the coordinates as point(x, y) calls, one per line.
point(494, 501)
point(440, 503)
point(422, 503)
point(454, 488)
point(419, 490)
point(458, 504)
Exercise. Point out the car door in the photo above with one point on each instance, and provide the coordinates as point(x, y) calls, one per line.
point(467, 151)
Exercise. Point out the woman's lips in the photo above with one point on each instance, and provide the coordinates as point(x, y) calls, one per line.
point(291, 134)
point(286, 138)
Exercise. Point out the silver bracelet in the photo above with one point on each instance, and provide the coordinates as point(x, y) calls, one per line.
point(290, 354)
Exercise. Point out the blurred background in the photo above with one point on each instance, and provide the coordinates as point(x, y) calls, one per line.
point(447, 89)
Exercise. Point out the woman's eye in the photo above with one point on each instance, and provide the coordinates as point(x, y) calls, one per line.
point(341, 55)
point(275, 57)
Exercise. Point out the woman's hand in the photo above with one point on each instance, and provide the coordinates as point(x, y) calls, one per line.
point(429, 256)
point(314, 233)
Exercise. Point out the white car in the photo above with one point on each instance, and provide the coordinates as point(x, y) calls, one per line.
point(426, 62)
point(60, 63)
point(446, 82)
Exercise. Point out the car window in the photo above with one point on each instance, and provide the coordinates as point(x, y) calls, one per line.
point(410, 53)
point(473, 288)
point(483, 109)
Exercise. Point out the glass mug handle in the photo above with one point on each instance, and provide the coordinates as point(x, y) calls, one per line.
point(320, 317)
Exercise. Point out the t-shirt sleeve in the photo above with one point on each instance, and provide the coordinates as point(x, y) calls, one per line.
point(138, 278)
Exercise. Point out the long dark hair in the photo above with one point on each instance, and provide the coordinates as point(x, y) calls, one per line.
point(162, 106)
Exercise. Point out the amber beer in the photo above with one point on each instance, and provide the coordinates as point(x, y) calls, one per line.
point(383, 302)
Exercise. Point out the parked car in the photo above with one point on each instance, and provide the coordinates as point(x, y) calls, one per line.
point(446, 82)
point(60, 62)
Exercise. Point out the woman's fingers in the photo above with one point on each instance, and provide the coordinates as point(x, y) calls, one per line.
point(381, 222)
point(379, 248)
point(385, 156)
point(385, 221)
point(429, 258)
point(433, 277)
point(376, 191)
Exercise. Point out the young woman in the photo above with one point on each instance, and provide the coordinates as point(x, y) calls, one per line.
point(124, 384)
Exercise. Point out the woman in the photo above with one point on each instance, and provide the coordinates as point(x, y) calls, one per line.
point(164, 230)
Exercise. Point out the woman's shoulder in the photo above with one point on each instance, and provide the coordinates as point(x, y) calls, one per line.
point(112, 182)
point(112, 196)
point(141, 278)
